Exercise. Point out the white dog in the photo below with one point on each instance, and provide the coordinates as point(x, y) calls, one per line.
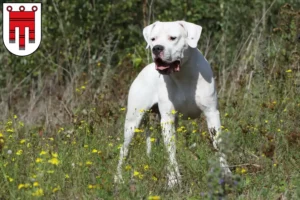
point(181, 80)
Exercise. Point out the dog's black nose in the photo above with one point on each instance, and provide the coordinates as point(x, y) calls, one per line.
point(157, 49)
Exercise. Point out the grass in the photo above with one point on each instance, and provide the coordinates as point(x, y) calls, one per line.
point(77, 161)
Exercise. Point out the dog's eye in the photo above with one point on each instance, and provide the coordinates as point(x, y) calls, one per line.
point(152, 39)
point(173, 38)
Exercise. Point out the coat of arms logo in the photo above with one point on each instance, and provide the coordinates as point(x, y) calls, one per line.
point(22, 26)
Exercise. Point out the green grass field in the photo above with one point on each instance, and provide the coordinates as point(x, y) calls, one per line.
point(78, 160)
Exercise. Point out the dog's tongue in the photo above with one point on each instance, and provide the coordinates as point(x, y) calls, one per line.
point(162, 67)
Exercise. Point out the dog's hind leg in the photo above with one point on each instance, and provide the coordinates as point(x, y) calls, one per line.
point(152, 123)
point(141, 97)
point(148, 142)
point(214, 127)
point(132, 122)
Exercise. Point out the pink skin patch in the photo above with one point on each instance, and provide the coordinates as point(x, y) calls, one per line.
point(166, 67)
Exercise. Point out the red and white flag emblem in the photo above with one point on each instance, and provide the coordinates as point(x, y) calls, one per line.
point(22, 27)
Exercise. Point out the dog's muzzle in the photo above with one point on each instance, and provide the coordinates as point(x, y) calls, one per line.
point(164, 67)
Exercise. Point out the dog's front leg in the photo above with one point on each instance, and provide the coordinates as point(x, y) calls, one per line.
point(168, 133)
point(214, 127)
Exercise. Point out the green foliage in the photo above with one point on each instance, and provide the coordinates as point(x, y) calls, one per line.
point(69, 98)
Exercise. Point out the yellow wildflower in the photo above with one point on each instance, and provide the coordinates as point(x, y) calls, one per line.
point(22, 141)
point(39, 192)
point(136, 130)
point(26, 185)
point(56, 189)
point(173, 112)
point(146, 167)
point(154, 198)
point(10, 130)
point(152, 139)
point(19, 152)
point(36, 184)
point(20, 186)
point(181, 129)
point(136, 173)
point(60, 130)
point(122, 109)
point(243, 171)
point(38, 160)
point(9, 179)
point(15, 116)
point(128, 167)
point(54, 155)
point(88, 163)
point(67, 176)
point(43, 153)
point(54, 161)
point(90, 186)
point(94, 151)
point(288, 71)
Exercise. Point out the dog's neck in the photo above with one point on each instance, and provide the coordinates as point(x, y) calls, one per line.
point(186, 68)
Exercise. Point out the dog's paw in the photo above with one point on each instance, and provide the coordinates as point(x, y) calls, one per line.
point(226, 172)
point(173, 180)
point(118, 179)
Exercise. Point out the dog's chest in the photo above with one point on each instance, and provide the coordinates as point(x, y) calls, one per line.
point(185, 97)
point(188, 102)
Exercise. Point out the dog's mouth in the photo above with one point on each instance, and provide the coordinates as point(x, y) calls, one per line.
point(164, 67)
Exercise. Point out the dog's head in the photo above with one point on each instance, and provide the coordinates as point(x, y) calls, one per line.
point(169, 41)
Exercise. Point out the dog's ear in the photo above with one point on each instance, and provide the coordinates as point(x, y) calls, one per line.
point(193, 32)
point(146, 32)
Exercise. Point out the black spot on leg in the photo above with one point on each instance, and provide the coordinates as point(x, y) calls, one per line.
point(212, 138)
point(213, 132)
